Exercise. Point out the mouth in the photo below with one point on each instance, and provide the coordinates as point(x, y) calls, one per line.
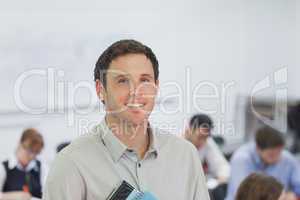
point(135, 105)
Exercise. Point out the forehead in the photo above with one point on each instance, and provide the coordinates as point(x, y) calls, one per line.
point(273, 150)
point(131, 64)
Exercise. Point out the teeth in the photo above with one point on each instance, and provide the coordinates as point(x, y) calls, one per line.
point(135, 105)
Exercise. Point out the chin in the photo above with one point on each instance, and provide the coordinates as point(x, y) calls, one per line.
point(137, 119)
point(24, 163)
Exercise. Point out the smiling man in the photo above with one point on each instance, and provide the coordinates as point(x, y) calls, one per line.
point(124, 147)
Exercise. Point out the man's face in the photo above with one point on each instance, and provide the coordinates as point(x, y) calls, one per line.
point(25, 154)
point(270, 156)
point(199, 136)
point(130, 89)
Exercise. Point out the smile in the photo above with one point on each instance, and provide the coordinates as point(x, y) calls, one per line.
point(135, 105)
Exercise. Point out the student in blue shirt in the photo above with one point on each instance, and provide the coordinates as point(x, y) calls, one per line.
point(266, 155)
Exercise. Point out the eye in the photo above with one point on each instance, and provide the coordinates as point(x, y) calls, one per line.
point(145, 80)
point(123, 80)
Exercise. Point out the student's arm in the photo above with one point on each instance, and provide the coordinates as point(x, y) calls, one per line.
point(217, 163)
point(240, 169)
point(295, 178)
point(64, 181)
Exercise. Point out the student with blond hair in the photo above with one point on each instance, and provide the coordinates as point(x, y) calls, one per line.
point(22, 174)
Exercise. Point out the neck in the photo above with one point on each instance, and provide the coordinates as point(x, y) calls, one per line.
point(18, 156)
point(133, 136)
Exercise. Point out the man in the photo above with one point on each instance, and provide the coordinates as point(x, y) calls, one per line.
point(198, 133)
point(22, 175)
point(124, 146)
point(266, 156)
point(213, 161)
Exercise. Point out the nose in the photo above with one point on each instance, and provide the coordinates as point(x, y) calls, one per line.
point(135, 90)
point(132, 89)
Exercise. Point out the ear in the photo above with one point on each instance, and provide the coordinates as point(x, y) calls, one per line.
point(100, 90)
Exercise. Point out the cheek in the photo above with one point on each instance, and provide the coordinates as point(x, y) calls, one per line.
point(150, 95)
point(123, 96)
point(275, 158)
point(22, 155)
point(196, 142)
point(147, 90)
point(265, 157)
point(117, 96)
point(150, 103)
point(270, 158)
point(24, 159)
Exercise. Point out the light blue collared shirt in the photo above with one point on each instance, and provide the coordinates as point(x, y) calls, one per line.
point(246, 161)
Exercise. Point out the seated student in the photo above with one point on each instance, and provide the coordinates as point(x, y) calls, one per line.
point(198, 133)
point(214, 163)
point(21, 176)
point(260, 187)
point(267, 156)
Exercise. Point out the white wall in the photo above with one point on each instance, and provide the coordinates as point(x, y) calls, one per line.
point(222, 42)
point(271, 42)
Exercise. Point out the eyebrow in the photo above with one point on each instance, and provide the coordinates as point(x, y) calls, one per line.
point(147, 75)
point(115, 77)
point(121, 76)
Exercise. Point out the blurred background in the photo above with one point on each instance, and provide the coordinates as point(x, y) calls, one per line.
point(235, 60)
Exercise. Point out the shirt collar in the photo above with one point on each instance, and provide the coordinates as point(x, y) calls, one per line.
point(116, 148)
point(153, 147)
point(13, 162)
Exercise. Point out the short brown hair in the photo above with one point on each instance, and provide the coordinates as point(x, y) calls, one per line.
point(259, 187)
point(121, 48)
point(267, 137)
point(32, 139)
